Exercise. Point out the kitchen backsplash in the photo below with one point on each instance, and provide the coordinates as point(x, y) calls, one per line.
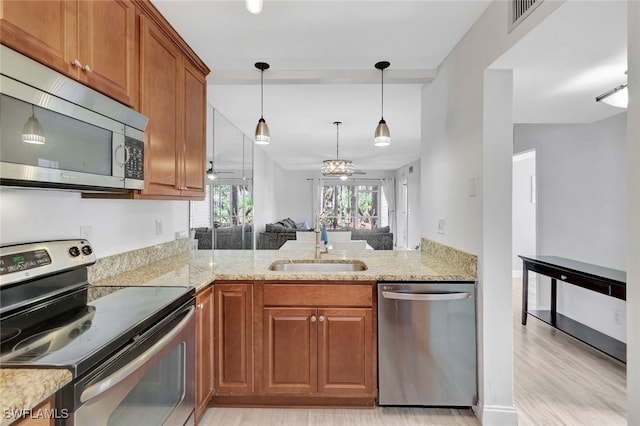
point(112, 265)
point(466, 261)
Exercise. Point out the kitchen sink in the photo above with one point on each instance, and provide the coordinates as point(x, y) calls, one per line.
point(318, 265)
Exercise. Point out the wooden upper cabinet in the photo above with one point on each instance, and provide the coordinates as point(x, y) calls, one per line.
point(160, 70)
point(90, 41)
point(173, 96)
point(106, 48)
point(39, 30)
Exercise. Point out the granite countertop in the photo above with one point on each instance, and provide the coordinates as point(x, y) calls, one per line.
point(199, 268)
point(23, 389)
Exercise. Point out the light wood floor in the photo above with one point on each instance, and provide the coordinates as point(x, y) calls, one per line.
point(558, 381)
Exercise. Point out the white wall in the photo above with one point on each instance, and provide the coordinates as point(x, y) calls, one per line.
point(524, 208)
point(265, 172)
point(294, 196)
point(461, 183)
point(414, 220)
point(582, 209)
point(633, 216)
point(117, 225)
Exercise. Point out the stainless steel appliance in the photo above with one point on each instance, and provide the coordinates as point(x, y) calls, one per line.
point(131, 350)
point(427, 344)
point(84, 139)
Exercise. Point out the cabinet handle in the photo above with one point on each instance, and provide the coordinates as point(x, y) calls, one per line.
point(76, 63)
point(313, 318)
point(200, 306)
point(87, 69)
point(321, 318)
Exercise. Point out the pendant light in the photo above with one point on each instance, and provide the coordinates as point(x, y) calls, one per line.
point(382, 136)
point(337, 168)
point(32, 131)
point(617, 97)
point(262, 130)
point(253, 6)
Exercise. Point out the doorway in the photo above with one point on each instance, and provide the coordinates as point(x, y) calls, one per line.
point(524, 222)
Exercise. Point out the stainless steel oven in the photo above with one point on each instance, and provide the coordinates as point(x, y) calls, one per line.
point(131, 350)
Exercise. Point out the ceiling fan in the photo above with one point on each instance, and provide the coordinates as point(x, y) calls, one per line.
point(212, 174)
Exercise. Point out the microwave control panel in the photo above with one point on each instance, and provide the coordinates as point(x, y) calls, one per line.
point(134, 169)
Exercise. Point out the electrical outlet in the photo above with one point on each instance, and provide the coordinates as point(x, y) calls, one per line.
point(158, 226)
point(85, 232)
point(617, 317)
point(441, 223)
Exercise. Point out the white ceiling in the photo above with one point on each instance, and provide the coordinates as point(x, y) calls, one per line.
point(322, 55)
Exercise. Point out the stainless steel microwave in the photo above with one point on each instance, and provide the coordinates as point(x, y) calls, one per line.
point(56, 132)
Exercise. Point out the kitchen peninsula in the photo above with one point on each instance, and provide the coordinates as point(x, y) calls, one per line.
point(239, 277)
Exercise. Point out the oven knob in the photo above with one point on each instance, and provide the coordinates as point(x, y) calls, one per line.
point(74, 251)
point(86, 250)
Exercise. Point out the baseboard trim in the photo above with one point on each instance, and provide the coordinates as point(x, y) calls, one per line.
point(496, 415)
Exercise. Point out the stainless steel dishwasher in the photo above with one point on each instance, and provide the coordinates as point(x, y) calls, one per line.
point(427, 344)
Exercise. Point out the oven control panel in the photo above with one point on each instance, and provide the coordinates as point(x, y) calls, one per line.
point(20, 262)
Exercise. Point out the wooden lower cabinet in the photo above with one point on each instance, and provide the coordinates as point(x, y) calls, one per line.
point(204, 350)
point(318, 351)
point(295, 343)
point(42, 415)
point(233, 339)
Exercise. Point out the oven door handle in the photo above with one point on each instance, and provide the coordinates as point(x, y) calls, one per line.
point(115, 378)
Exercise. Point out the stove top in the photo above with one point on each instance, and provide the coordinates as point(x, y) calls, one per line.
point(80, 337)
point(50, 317)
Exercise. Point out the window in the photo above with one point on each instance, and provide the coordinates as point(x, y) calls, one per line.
point(353, 206)
point(232, 205)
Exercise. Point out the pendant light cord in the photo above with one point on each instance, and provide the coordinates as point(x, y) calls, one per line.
point(382, 92)
point(261, 93)
point(337, 143)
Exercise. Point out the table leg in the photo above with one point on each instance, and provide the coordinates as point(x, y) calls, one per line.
point(554, 296)
point(525, 292)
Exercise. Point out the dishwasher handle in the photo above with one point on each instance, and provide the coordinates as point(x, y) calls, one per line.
point(425, 297)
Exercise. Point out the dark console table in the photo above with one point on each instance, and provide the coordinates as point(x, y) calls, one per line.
point(607, 281)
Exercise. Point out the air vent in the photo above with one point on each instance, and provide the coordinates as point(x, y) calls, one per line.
point(519, 11)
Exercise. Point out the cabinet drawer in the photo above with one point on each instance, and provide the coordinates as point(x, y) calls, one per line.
point(580, 280)
point(356, 295)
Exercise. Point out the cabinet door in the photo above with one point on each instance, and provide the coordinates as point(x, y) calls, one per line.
point(106, 47)
point(233, 338)
point(290, 350)
point(160, 70)
point(40, 29)
point(38, 416)
point(204, 350)
point(194, 147)
point(345, 351)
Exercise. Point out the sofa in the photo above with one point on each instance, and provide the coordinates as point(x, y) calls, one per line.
point(276, 234)
point(226, 238)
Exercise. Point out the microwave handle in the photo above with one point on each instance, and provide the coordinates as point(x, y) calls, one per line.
point(115, 378)
point(127, 155)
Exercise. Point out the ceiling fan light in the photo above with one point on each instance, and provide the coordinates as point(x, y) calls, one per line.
point(617, 97)
point(344, 177)
point(32, 132)
point(263, 137)
point(382, 136)
point(253, 6)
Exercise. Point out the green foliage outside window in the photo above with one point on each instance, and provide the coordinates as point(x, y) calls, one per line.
point(232, 205)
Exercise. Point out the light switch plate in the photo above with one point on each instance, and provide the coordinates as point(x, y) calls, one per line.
point(441, 223)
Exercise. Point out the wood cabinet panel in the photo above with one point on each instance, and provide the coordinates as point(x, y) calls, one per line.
point(160, 67)
point(194, 149)
point(233, 338)
point(39, 29)
point(345, 351)
point(318, 295)
point(204, 350)
point(290, 361)
point(42, 415)
point(106, 44)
